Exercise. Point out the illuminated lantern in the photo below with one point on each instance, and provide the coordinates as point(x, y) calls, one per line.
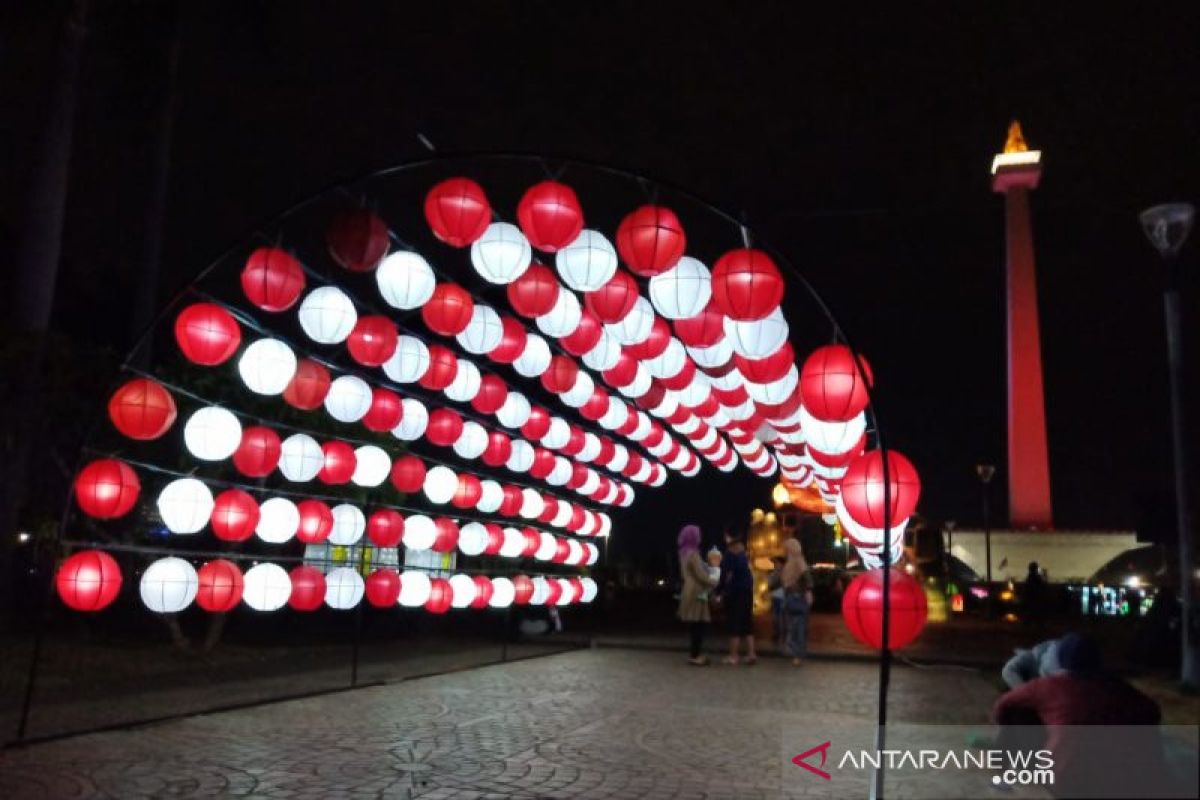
point(514, 543)
point(758, 338)
point(746, 285)
point(636, 326)
point(308, 588)
point(511, 504)
point(168, 585)
point(605, 354)
point(534, 359)
point(522, 590)
point(588, 262)
point(373, 340)
point(472, 539)
point(468, 491)
point(862, 608)
point(278, 521)
point(419, 532)
point(89, 580)
point(445, 426)
point(457, 211)
point(327, 315)
point(832, 437)
point(219, 586)
point(383, 588)
point(716, 358)
point(349, 524)
point(562, 551)
point(491, 395)
point(775, 392)
point(549, 593)
point(185, 505)
point(272, 279)
point(446, 537)
point(142, 409)
point(466, 382)
point(613, 301)
point(234, 515)
point(503, 593)
point(547, 545)
point(490, 497)
point(682, 291)
point(385, 527)
point(561, 374)
point(563, 318)
point(585, 336)
point(308, 387)
point(409, 361)
point(538, 423)
point(830, 385)
point(495, 539)
point(267, 366)
point(483, 591)
point(501, 254)
point(440, 485)
point(371, 466)
point(483, 333)
point(531, 541)
point(405, 280)
point(440, 596)
point(357, 239)
point(512, 341)
point(550, 507)
point(623, 372)
point(521, 456)
point(415, 588)
point(385, 412)
point(408, 474)
point(588, 593)
point(107, 489)
point(449, 310)
point(651, 240)
point(212, 434)
point(413, 421)
point(863, 485)
point(207, 334)
point(766, 370)
point(343, 588)
point(557, 435)
point(655, 342)
point(535, 292)
point(515, 411)
point(349, 398)
point(442, 369)
point(338, 463)
point(550, 215)
point(258, 452)
point(705, 329)
point(266, 587)
point(316, 521)
point(532, 504)
point(596, 407)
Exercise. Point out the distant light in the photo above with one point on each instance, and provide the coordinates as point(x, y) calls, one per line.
point(979, 592)
point(1133, 582)
point(1026, 158)
point(908, 568)
point(662, 582)
point(780, 495)
point(23, 537)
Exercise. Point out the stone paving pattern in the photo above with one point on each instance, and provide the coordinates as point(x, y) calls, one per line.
point(590, 724)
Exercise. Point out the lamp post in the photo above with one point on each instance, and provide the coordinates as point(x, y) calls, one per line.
point(1167, 227)
point(948, 550)
point(986, 472)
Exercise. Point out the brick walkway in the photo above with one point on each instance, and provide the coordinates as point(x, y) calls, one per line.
point(598, 723)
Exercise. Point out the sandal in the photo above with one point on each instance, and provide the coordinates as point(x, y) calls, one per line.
point(700, 661)
point(729, 660)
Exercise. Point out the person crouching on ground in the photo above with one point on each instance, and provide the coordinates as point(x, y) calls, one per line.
point(693, 599)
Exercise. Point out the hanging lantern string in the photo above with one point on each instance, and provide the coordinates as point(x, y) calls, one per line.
point(452, 511)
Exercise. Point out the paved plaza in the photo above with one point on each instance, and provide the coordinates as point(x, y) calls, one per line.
point(590, 723)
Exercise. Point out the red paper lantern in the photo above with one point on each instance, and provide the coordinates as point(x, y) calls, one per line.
point(560, 376)
point(372, 340)
point(654, 344)
point(89, 580)
point(769, 369)
point(830, 386)
point(535, 292)
point(308, 588)
point(499, 449)
point(340, 463)
point(651, 240)
point(862, 608)
point(316, 521)
point(533, 540)
point(385, 528)
point(595, 408)
point(495, 539)
point(443, 368)
point(623, 372)
point(383, 588)
point(607, 450)
point(440, 596)
point(554, 593)
point(258, 453)
point(613, 301)
point(862, 489)
point(543, 463)
point(234, 516)
point(357, 239)
point(408, 474)
point(523, 590)
point(653, 397)
point(272, 279)
point(549, 509)
point(746, 284)
point(219, 586)
point(537, 425)
point(512, 341)
point(585, 336)
point(575, 442)
point(308, 386)
point(550, 215)
point(444, 428)
point(447, 535)
point(703, 330)
point(207, 334)
point(142, 409)
point(458, 212)
point(493, 391)
point(468, 492)
point(680, 380)
point(510, 506)
point(107, 488)
point(449, 310)
point(385, 412)
point(837, 459)
point(483, 591)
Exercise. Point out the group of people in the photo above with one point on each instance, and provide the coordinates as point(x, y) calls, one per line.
point(726, 579)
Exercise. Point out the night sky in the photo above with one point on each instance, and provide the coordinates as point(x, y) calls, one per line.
point(859, 145)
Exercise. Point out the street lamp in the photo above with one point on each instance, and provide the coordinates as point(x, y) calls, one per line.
point(985, 473)
point(1167, 227)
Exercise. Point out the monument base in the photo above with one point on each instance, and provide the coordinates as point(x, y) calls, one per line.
point(1064, 555)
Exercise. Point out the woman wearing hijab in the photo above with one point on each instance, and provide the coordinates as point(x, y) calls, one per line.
point(797, 583)
point(693, 599)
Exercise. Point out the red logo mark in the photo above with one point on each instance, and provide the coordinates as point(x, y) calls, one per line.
point(823, 749)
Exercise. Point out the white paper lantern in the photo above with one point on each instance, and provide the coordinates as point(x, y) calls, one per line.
point(267, 366)
point(501, 254)
point(593, 553)
point(532, 504)
point(575, 551)
point(472, 441)
point(535, 358)
point(580, 391)
point(591, 448)
point(616, 415)
point(587, 263)
point(547, 546)
point(757, 339)
point(640, 385)
point(420, 532)
point(558, 434)
point(185, 505)
point(604, 354)
point(566, 592)
point(728, 381)
point(440, 484)
point(491, 496)
point(405, 280)
point(462, 590)
point(415, 588)
point(372, 466)
point(605, 523)
point(828, 473)
point(466, 383)
point(541, 591)
point(344, 588)
point(743, 410)
point(666, 407)
point(413, 421)
point(327, 315)
point(513, 544)
point(212, 433)
point(694, 468)
point(278, 520)
point(560, 473)
point(266, 587)
point(521, 457)
point(483, 333)
point(409, 362)
point(472, 539)
point(562, 515)
point(169, 585)
point(563, 318)
point(503, 593)
point(716, 355)
point(669, 362)
point(644, 426)
point(348, 399)
point(515, 411)
point(349, 524)
point(688, 426)
point(620, 457)
point(833, 438)
point(776, 391)
point(683, 291)
point(300, 458)
point(637, 324)
point(591, 483)
point(589, 590)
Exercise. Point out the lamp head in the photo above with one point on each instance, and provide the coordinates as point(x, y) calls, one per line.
point(985, 472)
point(1167, 226)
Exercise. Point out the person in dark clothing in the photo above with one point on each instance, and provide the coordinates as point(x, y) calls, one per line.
point(737, 591)
point(1033, 596)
